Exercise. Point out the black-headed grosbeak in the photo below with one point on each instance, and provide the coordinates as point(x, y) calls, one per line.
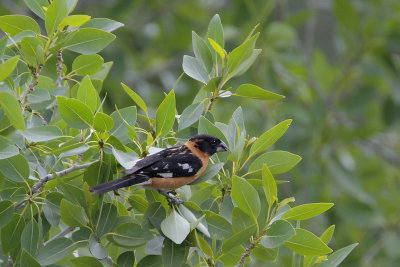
point(170, 168)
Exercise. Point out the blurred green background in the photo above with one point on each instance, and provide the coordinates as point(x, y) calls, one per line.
point(337, 63)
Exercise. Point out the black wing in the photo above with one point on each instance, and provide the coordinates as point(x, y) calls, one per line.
point(171, 152)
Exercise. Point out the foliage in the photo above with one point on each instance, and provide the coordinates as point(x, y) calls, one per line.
point(57, 141)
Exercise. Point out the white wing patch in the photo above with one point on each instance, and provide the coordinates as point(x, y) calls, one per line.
point(165, 174)
point(184, 166)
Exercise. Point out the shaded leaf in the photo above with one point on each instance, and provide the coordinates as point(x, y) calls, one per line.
point(11, 233)
point(30, 237)
point(172, 254)
point(15, 168)
point(131, 235)
point(42, 133)
point(54, 251)
point(6, 212)
point(86, 261)
point(72, 215)
point(7, 149)
point(27, 260)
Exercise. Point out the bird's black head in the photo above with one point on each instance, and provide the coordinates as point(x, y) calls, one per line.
point(208, 143)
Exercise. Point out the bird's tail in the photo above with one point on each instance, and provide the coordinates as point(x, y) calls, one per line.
point(135, 179)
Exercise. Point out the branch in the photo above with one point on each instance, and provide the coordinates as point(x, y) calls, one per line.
point(60, 234)
point(246, 254)
point(36, 73)
point(36, 188)
point(59, 68)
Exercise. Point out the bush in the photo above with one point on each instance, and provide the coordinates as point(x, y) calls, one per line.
point(57, 142)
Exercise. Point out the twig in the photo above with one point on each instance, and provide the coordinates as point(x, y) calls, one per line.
point(60, 234)
point(36, 188)
point(59, 68)
point(36, 73)
point(246, 254)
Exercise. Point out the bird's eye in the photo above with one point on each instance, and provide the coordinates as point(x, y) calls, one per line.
point(214, 142)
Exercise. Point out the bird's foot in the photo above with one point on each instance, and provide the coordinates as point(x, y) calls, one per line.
point(172, 197)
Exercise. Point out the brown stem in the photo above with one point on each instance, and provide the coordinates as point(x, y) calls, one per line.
point(59, 68)
point(211, 102)
point(246, 254)
point(36, 73)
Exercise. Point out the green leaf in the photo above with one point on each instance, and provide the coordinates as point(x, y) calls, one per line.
point(190, 115)
point(306, 211)
point(306, 243)
point(245, 196)
point(30, 237)
point(104, 24)
point(253, 91)
point(15, 168)
point(129, 115)
point(3, 45)
point(264, 254)
point(217, 48)
point(201, 244)
point(150, 261)
point(202, 52)
point(30, 46)
point(193, 220)
point(6, 212)
point(27, 260)
point(172, 254)
point(154, 215)
point(346, 14)
point(39, 96)
point(36, 6)
point(73, 20)
point(88, 95)
point(106, 220)
point(193, 68)
point(88, 41)
point(12, 109)
point(211, 86)
point(87, 64)
point(55, 13)
point(269, 185)
point(7, 149)
point(206, 127)
point(241, 220)
point(246, 64)
point(211, 171)
point(7, 67)
point(338, 256)
point(175, 227)
point(103, 122)
point(131, 235)
point(278, 233)
point(138, 203)
point(14, 24)
point(165, 115)
point(126, 259)
point(51, 208)
point(86, 261)
point(238, 238)
point(269, 137)
point(218, 225)
point(54, 251)
point(215, 30)
point(75, 113)
point(241, 54)
point(231, 257)
point(96, 248)
point(277, 161)
point(327, 235)
point(135, 97)
point(11, 233)
point(72, 215)
point(42, 133)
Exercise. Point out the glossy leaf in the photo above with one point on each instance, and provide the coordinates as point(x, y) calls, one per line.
point(269, 186)
point(73, 20)
point(88, 41)
point(37, 7)
point(86, 261)
point(131, 235)
point(88, 95)
point(12, 109)
point(218, 225)
point(338, 256)
point(55, 13)
point(278, 233)
point(165, 116)
point(238, 238)
point(87, 64)
point(245, 196)
point(175, 227)
point(221, 52)
point(102, 122)
point(7, 148)
point(126, 259)
point(54, 251)
point(172, 254)
point(104, 24)
point(30, 237)
point(96, 248)
point(135, 97)
point(122, 117)
point(215, 30)
point(11, 233)
point(269, 137)
point(72, 215)
point(202, 52)
point(7, 67)
point(6, 212)
point(42, 133)
point(106, 221)
point(15, 24)
point(255, 92)
point(241, 53)
point(277, 161)
point(193, 68)
point(27, 260)
point(75, 113)
point(306, 243)
point(306, 211)
point(210, 172)
point(15, 168)
point(190, 115)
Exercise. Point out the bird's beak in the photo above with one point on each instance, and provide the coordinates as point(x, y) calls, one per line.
point(222, 147)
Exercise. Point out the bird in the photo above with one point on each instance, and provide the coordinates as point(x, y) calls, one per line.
point(170, 168)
